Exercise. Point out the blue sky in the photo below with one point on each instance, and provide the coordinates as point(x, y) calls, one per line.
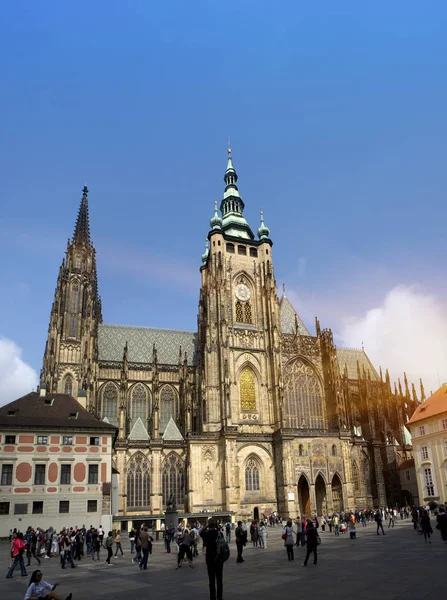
point(336, 113)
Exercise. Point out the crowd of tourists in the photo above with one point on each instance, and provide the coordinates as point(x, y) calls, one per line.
point(188, 539)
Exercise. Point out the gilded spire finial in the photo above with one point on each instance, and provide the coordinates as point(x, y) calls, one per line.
point(229, 147)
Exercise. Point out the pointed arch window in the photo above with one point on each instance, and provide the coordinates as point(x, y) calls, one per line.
point(301, 450)
point(252, 476)
point(138, 404)
point(355, 476)
point(74, 298)
point(243, 312)
point(247, 385)
point(138, 482)
point(68, 385)
point(110, 404)
point(167, 406)
point(173, 479)
point(303, 399)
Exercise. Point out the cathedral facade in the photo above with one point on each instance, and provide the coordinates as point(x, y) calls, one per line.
point(247, 415)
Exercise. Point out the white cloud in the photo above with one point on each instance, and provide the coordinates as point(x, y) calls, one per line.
point(406, 332)
point(16, 376)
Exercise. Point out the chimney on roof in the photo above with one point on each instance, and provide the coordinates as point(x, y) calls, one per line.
point(82, 398)
point(42, 391)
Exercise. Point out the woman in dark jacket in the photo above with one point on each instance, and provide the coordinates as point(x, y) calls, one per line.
point(312, 542)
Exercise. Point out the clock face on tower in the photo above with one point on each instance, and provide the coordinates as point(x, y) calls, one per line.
point(242, 292)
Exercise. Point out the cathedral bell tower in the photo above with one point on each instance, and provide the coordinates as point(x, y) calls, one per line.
point(238, 322)
point(69, 364)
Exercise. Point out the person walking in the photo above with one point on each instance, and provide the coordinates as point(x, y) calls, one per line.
point(185, 548)
point(336, 525)
point(228, 532)
point(426, 526)
point(441, 524)
point(18, 548)
point(378, 519)
point(109, 547)
point(263, 535)
point(38, 586)
point(299, 529)
point(241, 540)
point(132, 540)
point(214, 566)
point(391, 519)
point(145, 540)
point(312, 543)
point(31, 547)
point(118, 546)
point(287, 536)
point(96, 546)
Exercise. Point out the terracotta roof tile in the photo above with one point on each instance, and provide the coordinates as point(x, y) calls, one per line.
point(436, 404)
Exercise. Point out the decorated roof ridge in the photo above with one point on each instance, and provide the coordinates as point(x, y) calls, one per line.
point(139, 432)
point(351, 348)
point(82, 227)
point(146, 327)
point(172, 432)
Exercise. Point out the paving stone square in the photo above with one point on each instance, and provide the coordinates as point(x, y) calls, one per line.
point(397, 566)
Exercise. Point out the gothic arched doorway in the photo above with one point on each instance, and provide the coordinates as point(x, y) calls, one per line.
point(320, 495)
point(337, 494)
point(304, 496)
point(256, 514)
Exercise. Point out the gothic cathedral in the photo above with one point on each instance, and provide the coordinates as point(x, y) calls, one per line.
point(248, 415)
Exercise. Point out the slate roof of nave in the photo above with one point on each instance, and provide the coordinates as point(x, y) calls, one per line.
point(140, 342)
point(289, 318)
point(349, 357)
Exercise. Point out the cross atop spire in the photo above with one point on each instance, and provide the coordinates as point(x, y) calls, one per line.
point(82, 228)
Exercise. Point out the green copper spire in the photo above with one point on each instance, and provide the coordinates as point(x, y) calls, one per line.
point(263, 231)
point(232, 206)
point(216, 221)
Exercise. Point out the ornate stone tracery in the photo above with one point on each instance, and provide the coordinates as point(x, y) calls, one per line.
point(138, 481)
point(304, 405)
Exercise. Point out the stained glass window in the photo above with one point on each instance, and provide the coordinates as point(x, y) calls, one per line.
point(167, 406)
point(303, 401)
point(239, 312)
point(68, 385)
point(110, 403)
point(173, 479)
point(138, 404)
point(355, 476)
point(138, 482)
point(243, 312)
point(252, 476)
point(247, 312)
point(247, 389)
point(73, 329)
point(74, 299)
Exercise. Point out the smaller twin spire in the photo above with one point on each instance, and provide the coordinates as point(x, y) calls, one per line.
point(81, 233)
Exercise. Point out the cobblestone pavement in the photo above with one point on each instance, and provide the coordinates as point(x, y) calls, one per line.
point(398, 565)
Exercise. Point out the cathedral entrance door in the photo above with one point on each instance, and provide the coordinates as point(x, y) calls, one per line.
point(337, 494)
point(304, 496)
point(256, 514)
point(320, 496)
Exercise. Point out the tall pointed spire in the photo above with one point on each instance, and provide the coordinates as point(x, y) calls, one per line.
point(422, 390)
point(232, 205)
point(82, 228)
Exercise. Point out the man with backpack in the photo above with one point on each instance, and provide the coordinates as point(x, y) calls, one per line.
point(228, 532)
point(217, 552)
